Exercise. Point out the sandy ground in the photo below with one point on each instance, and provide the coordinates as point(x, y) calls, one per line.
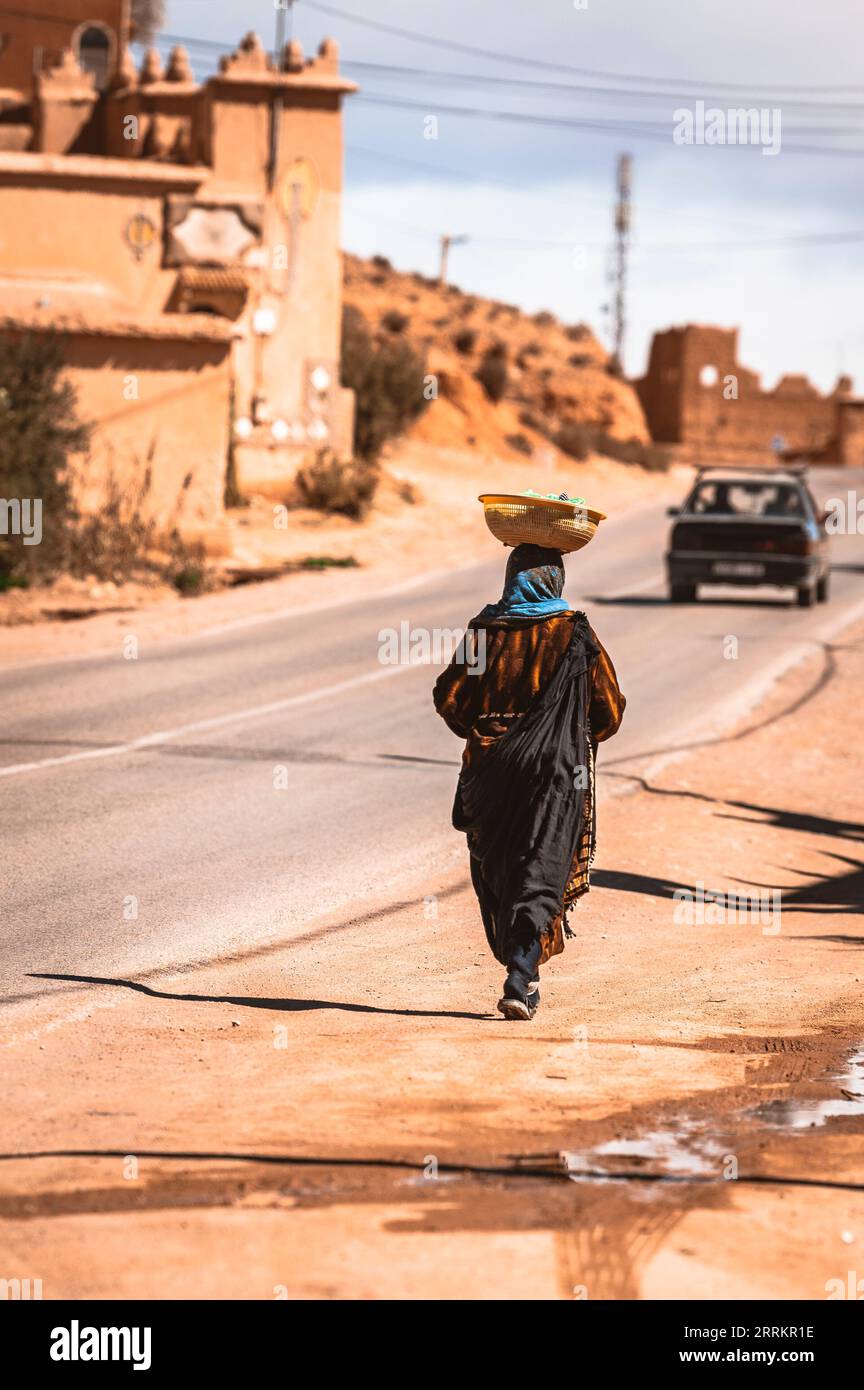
point(362, 1074)
point(397, 543)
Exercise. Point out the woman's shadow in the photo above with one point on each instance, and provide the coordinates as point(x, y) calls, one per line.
point(251, 1002)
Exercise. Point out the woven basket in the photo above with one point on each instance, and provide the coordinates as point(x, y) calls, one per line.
point(516, 520)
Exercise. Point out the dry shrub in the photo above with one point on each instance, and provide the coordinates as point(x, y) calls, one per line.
point(122, 541)
point(521, 443)
point(492, 372)
point(575, 440)
point(331, 484)
point(116, 541)
point(388, 381)
point(579, 441)
point(40, 433)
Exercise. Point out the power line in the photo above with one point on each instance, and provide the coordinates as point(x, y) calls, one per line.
point(633, 126)
point(645, 130)
point(544, 243)
point(555, 88)
point(700, 86)
point(522, 60)
point(571, 89)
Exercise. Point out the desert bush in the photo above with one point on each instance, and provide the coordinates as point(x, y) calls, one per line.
point(577, 332)
point(521, 443)
point(652, 457)
point(580, 359)
point(116, 541)
point(331, 484)
point(464, 341)
point(544, 319)
point(492, 372)
point(580, 440)
point(394, 321)
point(122, 540)
point(382, 263)
point(39, 433)
point(388, 382)
point(574, 439)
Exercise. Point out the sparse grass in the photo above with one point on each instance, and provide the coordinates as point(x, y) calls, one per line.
point(329, 562)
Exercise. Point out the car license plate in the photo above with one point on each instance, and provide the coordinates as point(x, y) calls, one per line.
point(744, 569)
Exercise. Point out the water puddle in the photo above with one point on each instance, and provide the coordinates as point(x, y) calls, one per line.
point(691, 1148)
point(687, 1151)
point(810, 1113)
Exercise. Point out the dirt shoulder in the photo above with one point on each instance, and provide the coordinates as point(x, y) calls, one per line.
point(710, 1056)
point(399, 542)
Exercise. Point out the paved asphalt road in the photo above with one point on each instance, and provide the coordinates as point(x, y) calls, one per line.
point(217, 856)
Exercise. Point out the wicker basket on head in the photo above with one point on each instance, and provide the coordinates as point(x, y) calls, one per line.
point(557, 525)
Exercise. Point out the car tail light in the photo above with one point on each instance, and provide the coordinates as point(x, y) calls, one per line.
point(795, 545)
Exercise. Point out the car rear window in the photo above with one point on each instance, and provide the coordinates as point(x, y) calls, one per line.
point(720, 498)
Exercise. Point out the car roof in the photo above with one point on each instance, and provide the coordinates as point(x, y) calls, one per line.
point(747, 475)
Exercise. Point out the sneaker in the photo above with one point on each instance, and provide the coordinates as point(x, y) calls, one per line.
point(514, 1004)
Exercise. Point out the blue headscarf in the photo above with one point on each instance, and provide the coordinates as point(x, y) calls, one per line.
point(533, 585)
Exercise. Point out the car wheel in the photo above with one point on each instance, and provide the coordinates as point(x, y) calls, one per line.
point(807, 596)
point(823, 588)
point(682, 593)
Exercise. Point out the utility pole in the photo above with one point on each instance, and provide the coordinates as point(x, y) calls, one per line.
point(622, 246)
point(446, 243)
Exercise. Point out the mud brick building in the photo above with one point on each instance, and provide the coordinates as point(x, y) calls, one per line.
point(184, 238)
point(696, 395)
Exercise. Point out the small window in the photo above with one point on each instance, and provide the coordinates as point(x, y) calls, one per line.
point(94, 53)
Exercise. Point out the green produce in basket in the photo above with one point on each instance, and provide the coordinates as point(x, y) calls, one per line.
point(553, 496)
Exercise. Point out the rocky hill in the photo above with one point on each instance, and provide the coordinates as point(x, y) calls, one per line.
point(509, 383)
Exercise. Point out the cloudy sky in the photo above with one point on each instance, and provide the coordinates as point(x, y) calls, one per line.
point(721, 233)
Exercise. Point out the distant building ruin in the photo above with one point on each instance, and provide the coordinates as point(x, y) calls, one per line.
point(696, 396)
point(184, 239)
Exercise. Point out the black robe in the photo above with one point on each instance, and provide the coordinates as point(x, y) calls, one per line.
point(522, 805)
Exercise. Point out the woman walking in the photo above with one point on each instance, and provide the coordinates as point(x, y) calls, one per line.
point(534, 701)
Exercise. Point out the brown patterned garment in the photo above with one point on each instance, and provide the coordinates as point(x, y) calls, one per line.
point(520, 658)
